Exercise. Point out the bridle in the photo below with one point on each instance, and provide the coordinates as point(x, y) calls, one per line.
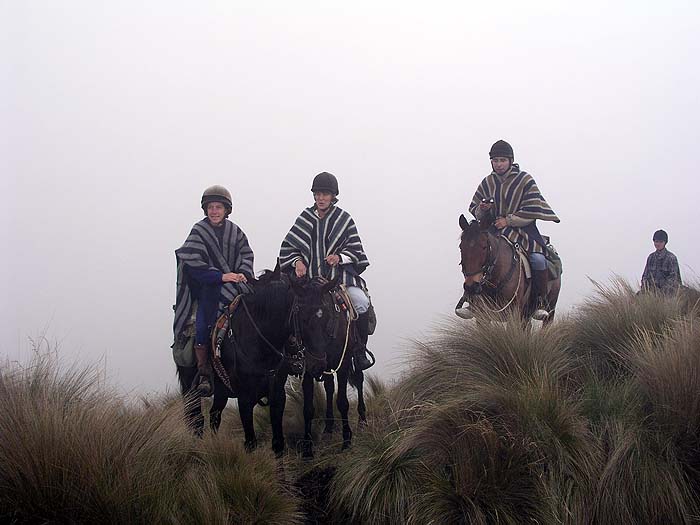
point(486, 271)
point(489, 262)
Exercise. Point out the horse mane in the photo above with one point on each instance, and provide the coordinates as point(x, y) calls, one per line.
point(269, 301)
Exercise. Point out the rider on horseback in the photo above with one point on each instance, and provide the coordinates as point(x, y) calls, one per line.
point(324, 243)
point(213, 266)
point(512, 198)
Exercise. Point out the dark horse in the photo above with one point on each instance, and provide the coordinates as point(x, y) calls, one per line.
point(493, 272)
point(328, 335)
point(253, 358)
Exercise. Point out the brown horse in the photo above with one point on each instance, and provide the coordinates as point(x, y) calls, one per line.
point(494, 276)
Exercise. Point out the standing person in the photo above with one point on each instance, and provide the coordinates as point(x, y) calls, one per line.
point(661, 272)
point(514, 199)
point(213, 266)
point(323, 242)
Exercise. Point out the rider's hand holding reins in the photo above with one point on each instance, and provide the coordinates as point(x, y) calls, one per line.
point(500, 223)
point(233, 278)
point(333, 259)
point(300, 268)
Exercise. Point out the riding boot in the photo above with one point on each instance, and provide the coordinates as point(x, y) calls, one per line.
point(539, 294)
point(360, 350)
point(204, 370)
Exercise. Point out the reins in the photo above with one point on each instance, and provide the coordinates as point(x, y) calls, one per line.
point(351, 315)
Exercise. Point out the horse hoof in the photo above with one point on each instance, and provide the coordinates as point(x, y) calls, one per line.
point(346, 445)
point(250, 446)
point(464, 313)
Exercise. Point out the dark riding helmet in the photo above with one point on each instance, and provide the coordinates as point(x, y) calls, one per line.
point(217, 193)
point(501, 149)
point(325, 182)
point(660, 235)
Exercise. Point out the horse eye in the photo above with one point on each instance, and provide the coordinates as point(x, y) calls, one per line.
point(319, 313)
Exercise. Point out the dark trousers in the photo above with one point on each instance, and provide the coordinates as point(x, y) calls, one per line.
point(206, 312)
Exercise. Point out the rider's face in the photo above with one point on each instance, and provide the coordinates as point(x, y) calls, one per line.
point(659, 245)
point(323, 200)
point(216, 213)
point(500, 164)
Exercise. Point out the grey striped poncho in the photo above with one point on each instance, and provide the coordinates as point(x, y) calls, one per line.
point(313, 239)
point(202, 250)
point(516, 192)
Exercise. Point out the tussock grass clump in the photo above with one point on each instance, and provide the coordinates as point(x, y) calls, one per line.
point(603, 328)
point(71, 450)
point(373, 484)
point(643, 480)
point(490, 422)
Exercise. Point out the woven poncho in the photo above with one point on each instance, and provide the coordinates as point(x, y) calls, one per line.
point(202, 250)
point(312, 239)
point(516, 193)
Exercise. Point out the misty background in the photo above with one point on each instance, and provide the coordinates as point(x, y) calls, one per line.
point(116, 115)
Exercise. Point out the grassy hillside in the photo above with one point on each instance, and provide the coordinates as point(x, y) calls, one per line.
point(594, 419)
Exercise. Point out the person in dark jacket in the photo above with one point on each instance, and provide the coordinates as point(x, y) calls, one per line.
point(661, 272)
point(213, 267)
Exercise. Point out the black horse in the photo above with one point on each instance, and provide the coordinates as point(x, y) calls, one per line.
point(254, 361)
point(328, 336)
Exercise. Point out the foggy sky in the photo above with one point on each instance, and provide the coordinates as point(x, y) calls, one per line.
point(116, 115)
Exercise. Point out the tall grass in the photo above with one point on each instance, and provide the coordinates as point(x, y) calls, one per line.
point(72, 451)
point(592, 419)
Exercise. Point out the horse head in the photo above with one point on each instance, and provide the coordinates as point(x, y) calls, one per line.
point(318, 317)
point(474, 247)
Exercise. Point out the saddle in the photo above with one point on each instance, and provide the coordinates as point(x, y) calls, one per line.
point(554, 264)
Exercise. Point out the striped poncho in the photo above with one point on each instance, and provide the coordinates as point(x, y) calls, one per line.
point(516, 193)
point(203, 250)
point(312, 239)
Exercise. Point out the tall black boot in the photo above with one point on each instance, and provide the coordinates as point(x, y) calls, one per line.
point(539, 294)
point(360, 350)
point(204, 370)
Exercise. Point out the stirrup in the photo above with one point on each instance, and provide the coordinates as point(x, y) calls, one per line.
point(465, 312)
point(361, 361)
point(540, 314)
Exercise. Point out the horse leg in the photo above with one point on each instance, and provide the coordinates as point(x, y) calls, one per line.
point(193, 404)
point(358, 380)
point(329, 386)
point(246, 403)
point(217, 407)
point(344, 405)
point(278, 399)
point(307, 385)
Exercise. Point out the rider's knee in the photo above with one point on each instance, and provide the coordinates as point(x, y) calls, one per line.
point(359, 299)
point(538, 261)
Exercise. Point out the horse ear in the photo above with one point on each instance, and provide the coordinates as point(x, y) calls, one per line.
point(276, 271)
point(463, 222)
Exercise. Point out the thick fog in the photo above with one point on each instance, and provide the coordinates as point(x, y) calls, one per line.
point(117, 115)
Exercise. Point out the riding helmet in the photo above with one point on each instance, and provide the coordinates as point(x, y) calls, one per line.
point(325, 182)
point(217, 193)
point(501, 149)
point(660, 235)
